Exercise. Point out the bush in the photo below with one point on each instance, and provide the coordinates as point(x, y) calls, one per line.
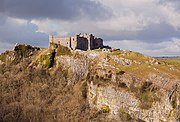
point(147, 96)
point(173, 102)
point(23, 51)
point(60, 50)
point(105, 109)
point(124, 115)
point(7, 57)
point(47, 60)
point(84, 89)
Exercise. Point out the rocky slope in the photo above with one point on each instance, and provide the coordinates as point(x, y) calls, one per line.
point(56, 84)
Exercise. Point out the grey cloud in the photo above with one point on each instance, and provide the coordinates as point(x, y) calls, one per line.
point(5, 46)
point(153, 33)
point(27, 33)
point(158, 32)
point(53, 9)
point(1, 5)
point(2, 19)
point(71, 11)
point(175, 3)
point(152, 49)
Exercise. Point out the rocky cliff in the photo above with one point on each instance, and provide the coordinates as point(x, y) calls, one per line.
point(57, 84)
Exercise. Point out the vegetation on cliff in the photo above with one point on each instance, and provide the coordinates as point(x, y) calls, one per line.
point(57, 84)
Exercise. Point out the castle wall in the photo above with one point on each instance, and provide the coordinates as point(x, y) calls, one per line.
point(64, 41)
point(98, 43)
point(74, 42)
point(51, 38)
point(82, 42)
point(91, 42)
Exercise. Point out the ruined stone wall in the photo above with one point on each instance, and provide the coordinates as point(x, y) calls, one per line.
point(50, 39)
point(74, 42)
point(98, 43)
point(64, 41)
point(90, 40)
point(82, 43)
point(93, 42)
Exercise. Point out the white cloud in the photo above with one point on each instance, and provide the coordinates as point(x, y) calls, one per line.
point(16, 21)
point(154, 22)
point(166, 48)
point(127, 16)
point(5, 46)
point(150, 20)
point(171, 14)
point(127, 21)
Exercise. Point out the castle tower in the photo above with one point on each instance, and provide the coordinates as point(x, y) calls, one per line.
point(82, 42)
point(90, 41)
point(51, 38)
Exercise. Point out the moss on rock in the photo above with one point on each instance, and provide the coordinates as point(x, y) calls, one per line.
point(7, 57)
point(47, 60)
point(23, 51)
point(60, 50)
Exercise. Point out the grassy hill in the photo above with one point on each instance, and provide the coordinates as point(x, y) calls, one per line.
point(58, 84)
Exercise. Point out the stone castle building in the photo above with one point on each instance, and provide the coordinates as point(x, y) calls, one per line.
point(82, 42)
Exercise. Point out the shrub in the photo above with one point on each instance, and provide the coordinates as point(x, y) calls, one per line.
point(173, 102)
point(147, 96)
point(124, 115)
point(53, 45)
point(84, 89)
point(47, 60)
point(7, 57)
point(23, 51)
point(61, 50)
point(105, 109)
point(120, 73)
point(122, 85)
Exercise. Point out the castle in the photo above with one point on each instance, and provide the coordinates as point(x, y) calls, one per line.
point(79, 41)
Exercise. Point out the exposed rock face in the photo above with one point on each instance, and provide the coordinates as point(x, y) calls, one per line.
point(78, 66)
point(122, 61)
point(118, 100)
point(87, 86)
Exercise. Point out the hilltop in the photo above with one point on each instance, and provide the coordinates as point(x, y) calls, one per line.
point(59, 84)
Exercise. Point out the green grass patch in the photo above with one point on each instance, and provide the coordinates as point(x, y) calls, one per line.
point(23, 51)
point(132, 55)
point(60, 50)
point(106, 109)
point(146, 95)
point(117, 52)
point(173, 102)
point(98, 50)
point(47, 60)
point(7, 57)
point(175, 62)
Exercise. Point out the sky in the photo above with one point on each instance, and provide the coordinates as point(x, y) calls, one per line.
point(151, 27)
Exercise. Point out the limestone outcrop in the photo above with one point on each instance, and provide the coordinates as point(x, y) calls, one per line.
point(59, 84)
